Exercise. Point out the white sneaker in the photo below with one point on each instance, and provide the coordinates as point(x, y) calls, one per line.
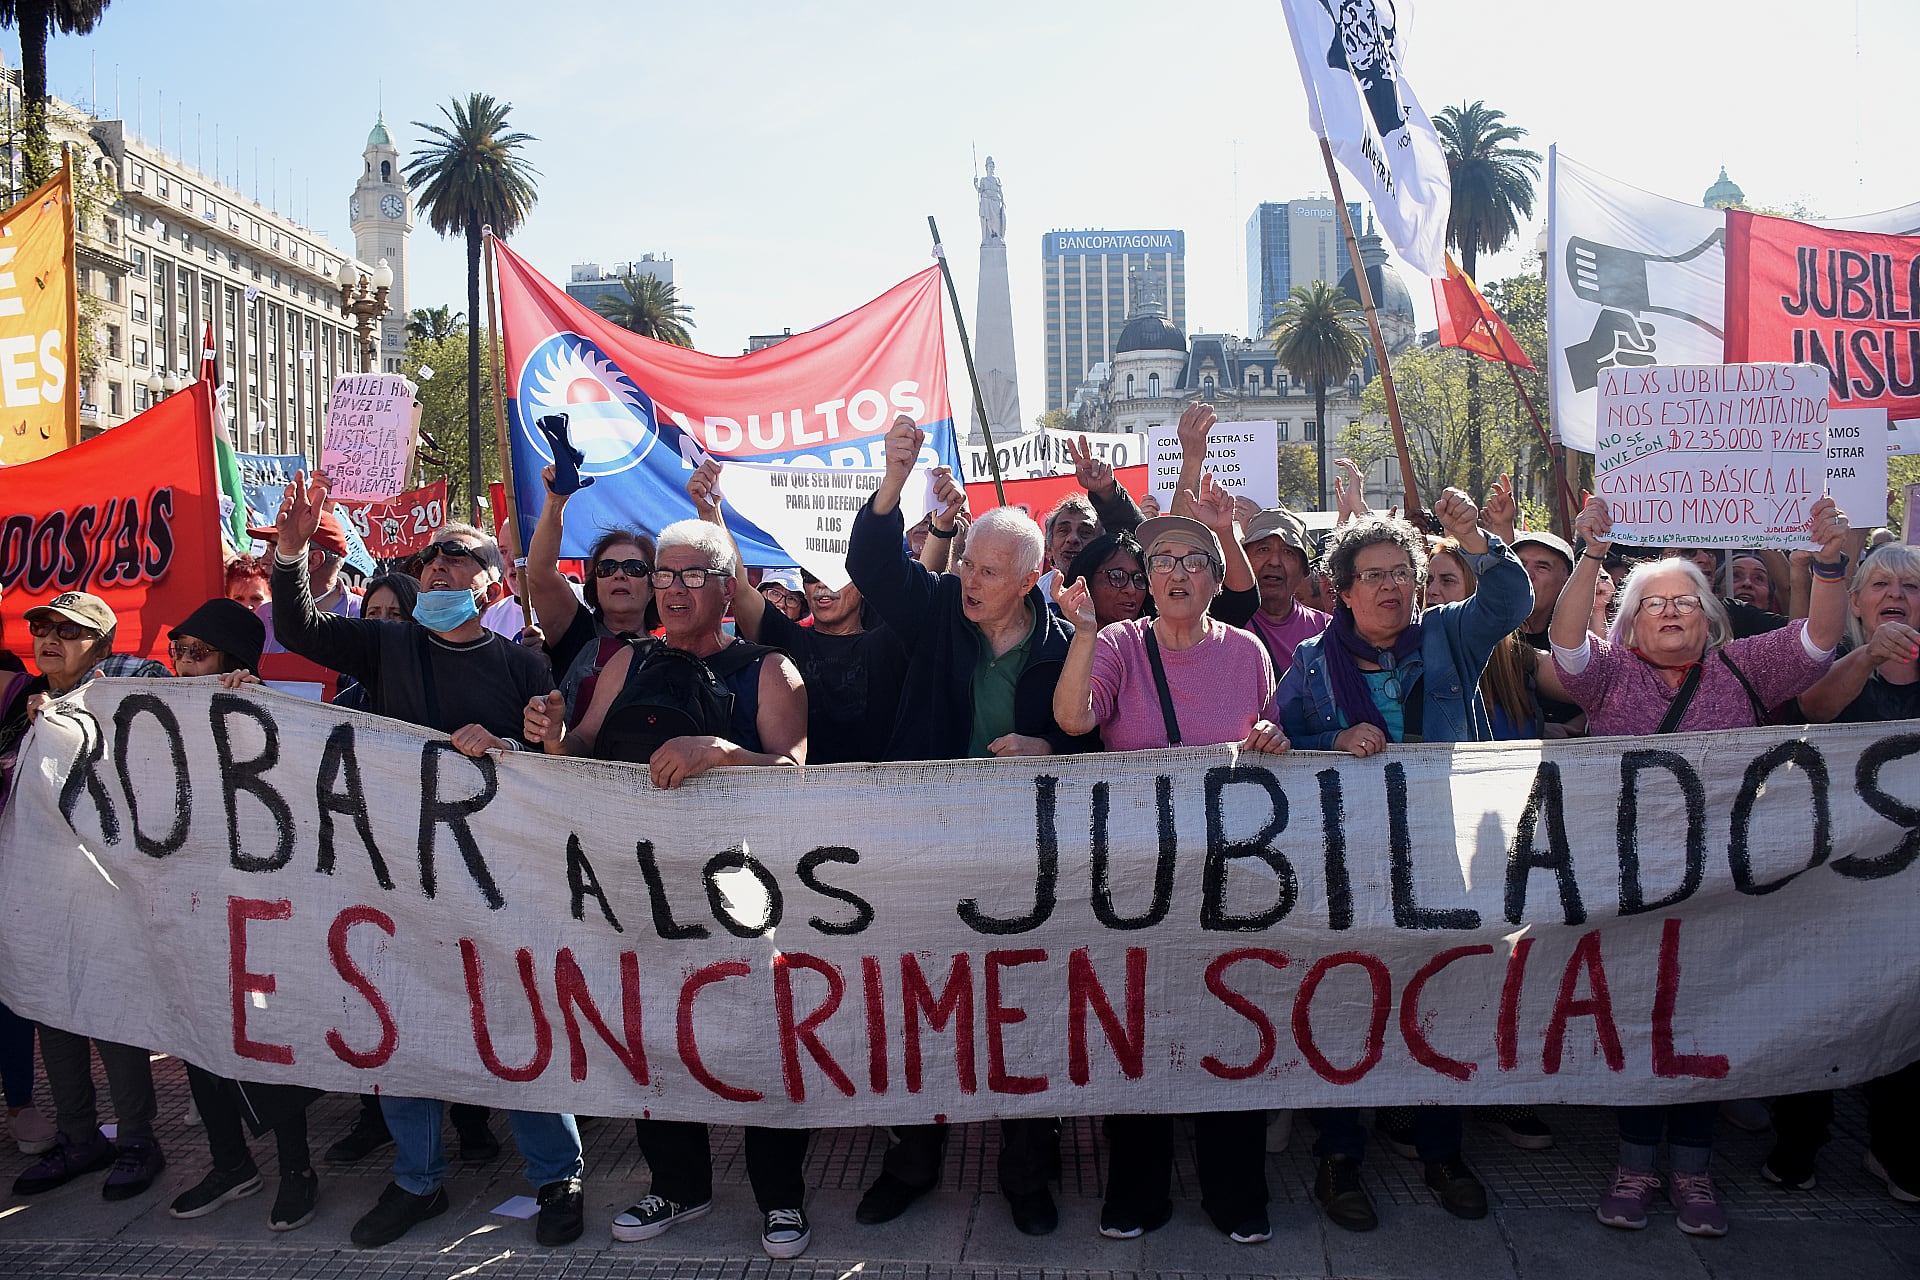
point(33, 1133)
point(786, 1234)
point(653, 1216)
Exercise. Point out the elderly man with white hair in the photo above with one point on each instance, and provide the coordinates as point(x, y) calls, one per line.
point(983, 655)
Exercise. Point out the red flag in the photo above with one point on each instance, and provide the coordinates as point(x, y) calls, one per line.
point(1468, 321)
point(132, 515)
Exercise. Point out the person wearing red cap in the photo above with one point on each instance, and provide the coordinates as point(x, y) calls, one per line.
point(326, 552)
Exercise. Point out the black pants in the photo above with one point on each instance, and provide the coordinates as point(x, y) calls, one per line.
point(219, 1103)
point(1229, 1154)
point(681, 1160)
point(1029, 1153)
point(1802, 1121)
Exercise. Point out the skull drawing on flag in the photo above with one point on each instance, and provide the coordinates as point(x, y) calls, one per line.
point(1363, 38)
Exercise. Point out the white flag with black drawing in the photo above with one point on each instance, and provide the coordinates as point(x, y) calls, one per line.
point(1350, 55)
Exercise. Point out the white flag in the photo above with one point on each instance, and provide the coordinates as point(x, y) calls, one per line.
point(1351, 59)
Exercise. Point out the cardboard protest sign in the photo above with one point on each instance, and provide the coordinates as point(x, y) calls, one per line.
point(400, 526)
point(1243, 456)
point(1857, 447)
point(132, 515)
point(264, 478)
point(368, 446)
point(1570, 922)
point(808, 511)
point(1712, 455)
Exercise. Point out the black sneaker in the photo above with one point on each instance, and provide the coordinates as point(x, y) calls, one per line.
point(1788, 1169)
point(1336, 1185)
point(886, 1200)
point(1256, 1228)
point(1520, 1126)
point(1117, 1224)
point(68, 1160)
point(786, 1234)
point(368, 1135)
point(563, 1213)
point(139, 1163)
point(397, 1212)
point(1461, 1193)
point(1034, 1213)
point(655, 1215)
point(478, 1146)
point(219, 1187)
point(297, 1202)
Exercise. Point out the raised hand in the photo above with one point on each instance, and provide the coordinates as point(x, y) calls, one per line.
point(703, 486)
point(1195, 423)
point(1094, 474)
point(300, 509)
point(1828, 527)
point(1594, 524)
point(1212, 506)
point(1244, 509)
point(1075, 601)
point(544, 720)
point(566, 478)
point(903, 446)
point(950, 496)
point(1501, 512)
point(1458, 515)
point(1350, 490)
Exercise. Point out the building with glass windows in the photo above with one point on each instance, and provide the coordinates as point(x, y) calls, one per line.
point(1084, 279)
point(1291, 243)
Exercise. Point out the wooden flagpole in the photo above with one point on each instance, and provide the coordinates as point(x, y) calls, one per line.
point(1415, 509)
point(966, 350)
point(1563, 496)
point(496, 373)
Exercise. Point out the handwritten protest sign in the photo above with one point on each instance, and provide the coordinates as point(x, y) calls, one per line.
point(302, 894)
point(368, 445)
point(400, 526)
point(264, 478)
point(1857, 447)
point(1712, 455)
point(809, 510)
point(1242, 456)
point(1020, 458)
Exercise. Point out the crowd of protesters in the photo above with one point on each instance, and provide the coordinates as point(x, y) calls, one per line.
point(1102, 627)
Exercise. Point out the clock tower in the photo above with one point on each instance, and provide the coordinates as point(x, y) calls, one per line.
point(381, 214)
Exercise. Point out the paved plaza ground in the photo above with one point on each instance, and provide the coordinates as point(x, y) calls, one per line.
point(1541, 1228)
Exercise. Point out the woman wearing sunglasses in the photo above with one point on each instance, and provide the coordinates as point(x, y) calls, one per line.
point(1670, 662)
point(1180, 677)
point(1383, 673)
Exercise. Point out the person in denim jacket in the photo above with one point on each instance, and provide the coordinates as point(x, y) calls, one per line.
point(1386, 672)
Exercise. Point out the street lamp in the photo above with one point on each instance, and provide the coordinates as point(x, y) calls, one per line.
point(363, 296)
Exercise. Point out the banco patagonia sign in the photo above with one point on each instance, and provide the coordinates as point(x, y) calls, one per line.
point(1086, 243)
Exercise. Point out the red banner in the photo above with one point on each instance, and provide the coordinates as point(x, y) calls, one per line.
point(1468, 321)
point(400, 526)
point(1043, 493)
point(132, 516)
point(1848, 301)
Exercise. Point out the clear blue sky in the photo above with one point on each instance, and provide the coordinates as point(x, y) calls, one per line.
point(786, 155)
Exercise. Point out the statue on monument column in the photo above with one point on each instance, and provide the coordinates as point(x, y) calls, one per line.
point(993, 207)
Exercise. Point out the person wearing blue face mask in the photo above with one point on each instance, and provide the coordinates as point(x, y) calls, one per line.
point(450, 674)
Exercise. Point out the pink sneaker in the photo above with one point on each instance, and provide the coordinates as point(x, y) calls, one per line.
point(1698, 1204)
point(1626, 1202)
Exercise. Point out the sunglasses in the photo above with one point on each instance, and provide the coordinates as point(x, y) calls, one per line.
point(448, 550)
point(41, 628)
point(1119, 578)
point(632, 568)
point(190, 652)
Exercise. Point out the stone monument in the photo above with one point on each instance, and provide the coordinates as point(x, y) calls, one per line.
point(993, 318)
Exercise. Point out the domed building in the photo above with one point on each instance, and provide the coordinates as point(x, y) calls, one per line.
point(1149, 357)
point(1724, 193)
point(1391, 300)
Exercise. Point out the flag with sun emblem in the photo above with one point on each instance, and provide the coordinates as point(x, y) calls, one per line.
point(644, 412)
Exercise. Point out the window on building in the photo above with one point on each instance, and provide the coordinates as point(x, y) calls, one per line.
point(233, 260)
point(1353, 386)
point(1281, 433)
point(276, 279)
point(1206, 387)
point(1309, 430)
point(139, 175)
point(138, 305)
point(1153, 384)
point(113, 341)
point(139, 355)
point(138, 220)
point(186, 242)
point(139, 396)
point(113, 399)
point(160, 272)
point(160, 185)
point(256, 232)
point(1129, 386)
point(213, 251)
point(275, 243)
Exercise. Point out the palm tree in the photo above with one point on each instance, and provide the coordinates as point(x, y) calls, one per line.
point(36, 20)
point(430, 324)
point(651, 308)
point(470, 175)
point(1316, 335)
point(1492, 190)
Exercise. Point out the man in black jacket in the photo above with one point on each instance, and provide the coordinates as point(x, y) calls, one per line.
point(451, 674)
point(983, 654)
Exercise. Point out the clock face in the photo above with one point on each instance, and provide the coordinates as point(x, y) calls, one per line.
point(353, 207)
point(391, 206)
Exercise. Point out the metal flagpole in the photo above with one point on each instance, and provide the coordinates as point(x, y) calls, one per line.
point(496, 373)
point(1411, 487)
point(966, 349)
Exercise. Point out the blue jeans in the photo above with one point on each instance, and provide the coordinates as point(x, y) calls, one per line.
point(1687, 1126)
point(1437, 1132)
point(551, 1144)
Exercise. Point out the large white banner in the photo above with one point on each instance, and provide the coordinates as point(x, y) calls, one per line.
point(808, 511)
point(283, 891)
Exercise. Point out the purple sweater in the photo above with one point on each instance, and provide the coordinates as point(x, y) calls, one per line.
point(1624, 695)
point(1220, 687)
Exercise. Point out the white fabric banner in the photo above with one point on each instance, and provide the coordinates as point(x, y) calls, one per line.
point(283, 891)
point(1352, 61)
point(809, 510)
point(1020, 458)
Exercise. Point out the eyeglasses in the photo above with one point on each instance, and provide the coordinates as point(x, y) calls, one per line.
point(448, 550)
point(691, 579)
point(1119, 578)
point(190, 652)
point(1192, 562)
point(1374, 579)
point(1661, 606)
point(632, 568)
point(41, 628)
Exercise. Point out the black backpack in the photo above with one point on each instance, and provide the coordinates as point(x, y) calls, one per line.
point(670, 693)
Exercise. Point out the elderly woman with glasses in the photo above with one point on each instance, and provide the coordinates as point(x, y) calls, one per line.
point(1180, 677)
point(1384, 673)
point(1669, 663)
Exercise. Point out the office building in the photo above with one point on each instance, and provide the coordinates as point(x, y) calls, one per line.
point(1289, 244)
point(1084, 276)
point(587, 283)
